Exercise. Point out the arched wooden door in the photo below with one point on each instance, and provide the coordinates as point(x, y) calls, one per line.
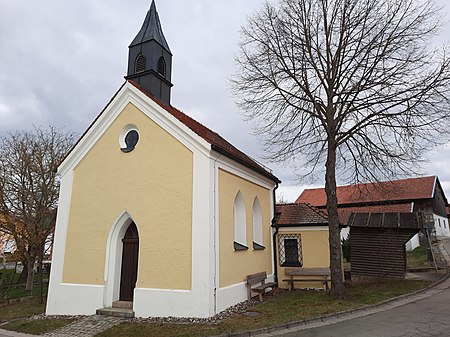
point(130, 255)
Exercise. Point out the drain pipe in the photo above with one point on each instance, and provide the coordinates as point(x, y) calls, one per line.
point(274, 237)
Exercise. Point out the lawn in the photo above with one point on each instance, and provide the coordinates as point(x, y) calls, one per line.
point(283, 308)
point(37, 327)
point(418, 258)
point(20, 310)
point(10, 290)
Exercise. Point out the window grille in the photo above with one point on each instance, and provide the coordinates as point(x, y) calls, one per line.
point(290, 250)
point(162, 66)
point(141, 64)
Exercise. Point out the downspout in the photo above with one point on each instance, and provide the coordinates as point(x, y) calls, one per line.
point(215, 187)
point(274, 237)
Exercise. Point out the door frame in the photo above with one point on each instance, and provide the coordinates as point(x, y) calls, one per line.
point(113, 263)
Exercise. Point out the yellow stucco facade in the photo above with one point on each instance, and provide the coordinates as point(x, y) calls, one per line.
point(154, 184)
point(315, 252)
point(235, 265)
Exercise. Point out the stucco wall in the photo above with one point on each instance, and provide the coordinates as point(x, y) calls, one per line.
point(315, 252)
point(154, 184)
point(235, 265)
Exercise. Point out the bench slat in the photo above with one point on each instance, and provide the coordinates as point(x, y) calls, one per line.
point(264, 286)
point(307, 271)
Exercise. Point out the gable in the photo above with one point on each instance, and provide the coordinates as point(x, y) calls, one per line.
point(153, 183)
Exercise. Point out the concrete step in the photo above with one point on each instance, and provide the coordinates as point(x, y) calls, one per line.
point(116, 312)
point(123, 304)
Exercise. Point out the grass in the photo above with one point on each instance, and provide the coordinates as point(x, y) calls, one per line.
point(418, 258)
point(9, 277)
point(283, 308)
point(21, 310)
point(37, 327)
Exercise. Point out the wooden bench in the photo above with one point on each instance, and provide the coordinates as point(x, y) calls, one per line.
point(307, 275)
point(261, 289)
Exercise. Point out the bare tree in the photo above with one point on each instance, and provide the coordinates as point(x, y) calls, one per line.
point(349, 87)
point(29, 188)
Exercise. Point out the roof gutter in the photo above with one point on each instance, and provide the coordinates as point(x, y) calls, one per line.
point(255, 167)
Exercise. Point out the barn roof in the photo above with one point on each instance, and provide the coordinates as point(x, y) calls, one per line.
point(398, 190)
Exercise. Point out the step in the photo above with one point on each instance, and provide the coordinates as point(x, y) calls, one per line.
point(123, 304)
point(116, 312)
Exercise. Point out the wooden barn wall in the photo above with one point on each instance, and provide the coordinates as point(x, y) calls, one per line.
point(379, 252)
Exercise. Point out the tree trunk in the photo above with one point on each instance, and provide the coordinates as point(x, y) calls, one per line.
point(337, 280)
point(30, 274)
point(24, 273)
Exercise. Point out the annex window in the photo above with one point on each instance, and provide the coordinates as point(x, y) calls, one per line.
point(257, 226)
point(290, 250)
point(162, 66)
point(240, 228)
point(140, 64)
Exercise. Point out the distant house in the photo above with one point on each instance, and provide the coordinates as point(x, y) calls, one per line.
point(423, 194)
point(301, 240)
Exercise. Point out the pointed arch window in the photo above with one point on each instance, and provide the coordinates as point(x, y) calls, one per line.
point(258, 242)
point(240, 228)
point(140, 64)
point(162, 66)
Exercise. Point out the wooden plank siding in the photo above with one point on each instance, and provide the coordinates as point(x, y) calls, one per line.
point(378, 251)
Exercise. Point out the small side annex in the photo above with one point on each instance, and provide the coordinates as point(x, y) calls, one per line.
point(301, 240)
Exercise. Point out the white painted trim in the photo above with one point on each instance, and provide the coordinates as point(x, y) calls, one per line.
point(113, 261)
point(257, 222)
point(202, 233)
point(434, 187)
point(164, 303)
point(59, 245)
point(130, 94)
point(236, 293)
point(242, 171)
point(75, 299)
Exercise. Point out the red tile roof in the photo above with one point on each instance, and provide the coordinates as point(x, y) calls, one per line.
point(218, 143)
point(300, 214)
point(399, 190)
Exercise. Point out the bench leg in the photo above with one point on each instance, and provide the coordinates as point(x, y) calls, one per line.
point(291, 285)
point(325, 285)
point(260, 293)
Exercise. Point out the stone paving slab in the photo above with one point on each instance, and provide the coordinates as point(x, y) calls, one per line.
point(86, 327)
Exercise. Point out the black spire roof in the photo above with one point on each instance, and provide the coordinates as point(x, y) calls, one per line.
point(151, 29)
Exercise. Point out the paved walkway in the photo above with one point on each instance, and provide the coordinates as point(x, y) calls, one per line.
point(86, 327)
point(432, 299)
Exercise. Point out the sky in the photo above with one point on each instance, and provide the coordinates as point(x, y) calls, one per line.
point(62, 61)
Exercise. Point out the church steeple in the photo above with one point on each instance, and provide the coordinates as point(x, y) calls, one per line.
point(150, 58)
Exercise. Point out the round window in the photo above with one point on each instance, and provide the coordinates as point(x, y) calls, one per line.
point(130, 140)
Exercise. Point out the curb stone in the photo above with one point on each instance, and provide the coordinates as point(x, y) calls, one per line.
point(347, 314)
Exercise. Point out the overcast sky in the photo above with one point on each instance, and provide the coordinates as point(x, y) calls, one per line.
point(61, 62)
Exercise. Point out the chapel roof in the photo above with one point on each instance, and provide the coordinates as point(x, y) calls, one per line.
point(218, 143)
